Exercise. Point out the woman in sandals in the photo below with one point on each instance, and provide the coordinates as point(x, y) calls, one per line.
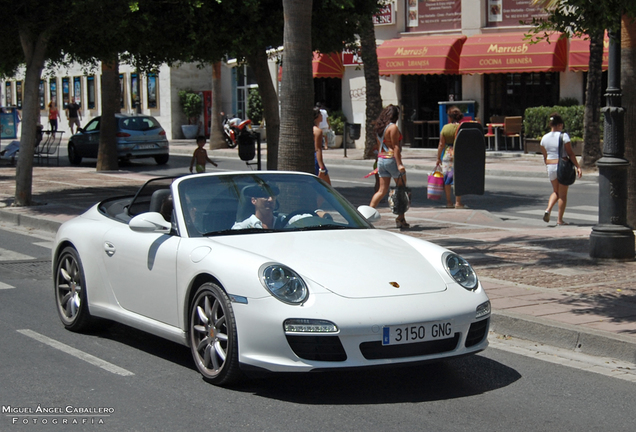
point(550, 150)
point(445, 154)
point(389, 157)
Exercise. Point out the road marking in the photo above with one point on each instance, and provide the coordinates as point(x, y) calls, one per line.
point(76, 353)
point(8, 255)
point(568, 214)
point(5, 286)
point(601, 365)
point(47, 245)
point(593, 209)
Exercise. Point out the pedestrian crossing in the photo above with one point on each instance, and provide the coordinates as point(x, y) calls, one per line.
point(14, 263)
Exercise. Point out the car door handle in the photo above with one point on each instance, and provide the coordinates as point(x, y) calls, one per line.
point(109, 248)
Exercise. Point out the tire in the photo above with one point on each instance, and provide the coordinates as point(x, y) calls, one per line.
point(229, 142)
point(162, 159)
point(70, 291)
point(73, 157)
point(213, 337)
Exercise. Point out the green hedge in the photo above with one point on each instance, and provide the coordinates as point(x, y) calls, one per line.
point(536, 120)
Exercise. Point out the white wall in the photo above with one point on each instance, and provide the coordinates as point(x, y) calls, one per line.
point(571, 85)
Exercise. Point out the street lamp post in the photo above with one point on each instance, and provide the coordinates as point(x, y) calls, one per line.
point(611, 238)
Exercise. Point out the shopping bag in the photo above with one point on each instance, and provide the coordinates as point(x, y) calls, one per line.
point(435, 185)
point(400, 199)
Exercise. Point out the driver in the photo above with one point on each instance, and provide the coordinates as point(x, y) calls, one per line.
point(263, 198)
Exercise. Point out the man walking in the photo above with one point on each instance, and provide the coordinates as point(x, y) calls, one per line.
point(72, 113)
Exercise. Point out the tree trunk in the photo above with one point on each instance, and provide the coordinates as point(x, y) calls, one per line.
point(34, 47)
point(368, 51)
point(628, 84)
point(217, 140)
point(107, 159)
point(296, 145)
point(258, 63)
point(592, 134)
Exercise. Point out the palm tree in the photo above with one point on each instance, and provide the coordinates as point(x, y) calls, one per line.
point(297, 92)
point(368, 51)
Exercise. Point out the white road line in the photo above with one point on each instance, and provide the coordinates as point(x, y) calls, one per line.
point(600, 365)
point(47, 244)
point(8, 255)
point(4, 286)
point(568, 214)
point(76, 353)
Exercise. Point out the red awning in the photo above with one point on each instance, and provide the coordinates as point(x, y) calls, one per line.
point(327, 65)
point(509, 53)
point(420, 55)
point(579, 54)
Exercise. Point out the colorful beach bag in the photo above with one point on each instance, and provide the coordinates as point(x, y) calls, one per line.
point(435, 184)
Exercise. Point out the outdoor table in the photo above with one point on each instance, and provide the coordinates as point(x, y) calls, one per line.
point(494, 128)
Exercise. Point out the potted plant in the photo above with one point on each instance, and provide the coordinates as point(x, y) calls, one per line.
point(255, 112)
point(192, 106)
point(337, 121)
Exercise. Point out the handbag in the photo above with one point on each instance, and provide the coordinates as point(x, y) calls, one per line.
point(435, 186)
point(566, 172)
point(400, 199)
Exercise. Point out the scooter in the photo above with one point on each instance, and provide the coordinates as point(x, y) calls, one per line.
point(234, 126)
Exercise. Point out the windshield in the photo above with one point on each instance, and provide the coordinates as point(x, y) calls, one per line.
point(237, 204)
point(138, 123)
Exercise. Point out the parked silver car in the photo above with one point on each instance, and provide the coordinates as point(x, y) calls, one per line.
point(138, 136)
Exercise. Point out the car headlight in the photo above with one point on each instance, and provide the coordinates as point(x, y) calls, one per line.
point(460, 270)
point(284, 283)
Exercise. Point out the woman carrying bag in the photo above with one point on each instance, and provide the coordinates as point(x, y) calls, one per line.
point(550, 150)
point(445, 154)
point(389, 157)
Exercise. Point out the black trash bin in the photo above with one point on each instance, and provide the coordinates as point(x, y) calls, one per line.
point(354, 130)
point(246, 146)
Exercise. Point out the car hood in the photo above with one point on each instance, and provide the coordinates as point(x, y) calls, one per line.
point(351, 263)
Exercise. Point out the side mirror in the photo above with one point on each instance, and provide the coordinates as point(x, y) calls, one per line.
point(151, 222)
point(80, 130)
point(369, 213)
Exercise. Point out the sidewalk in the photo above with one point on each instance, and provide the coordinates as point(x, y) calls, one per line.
point(540, 279)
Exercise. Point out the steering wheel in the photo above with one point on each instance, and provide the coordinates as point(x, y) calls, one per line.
point(296, 213)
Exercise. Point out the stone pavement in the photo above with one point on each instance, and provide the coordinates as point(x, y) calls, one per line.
point(542, 283)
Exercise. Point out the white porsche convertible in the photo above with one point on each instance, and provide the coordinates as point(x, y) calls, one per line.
point(266, 271)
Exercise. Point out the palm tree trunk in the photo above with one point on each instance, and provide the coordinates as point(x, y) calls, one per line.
point(592, 118)
point(368, 51)
point(258, 62)
point(111, 103)
point(628, 84)
point(34, 47)
point(297, 94)
point(216, 127)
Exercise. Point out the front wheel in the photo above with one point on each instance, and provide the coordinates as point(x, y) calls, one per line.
point(230, 143)
point(213, 337)
point(70, 291)
point(73, 157)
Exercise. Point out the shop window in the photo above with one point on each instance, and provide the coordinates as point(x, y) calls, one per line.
point(135, 91)
point(122, 88)
point(90, 90)
point(41, 94)
point(18, 94)
point(511, 94)
point(77, 90)
point(53, 90)
point(244, 81)
point(65, 92)
point(8, 94)
point(151, 93)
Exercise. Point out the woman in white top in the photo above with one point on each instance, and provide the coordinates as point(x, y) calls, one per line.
point(550, 150)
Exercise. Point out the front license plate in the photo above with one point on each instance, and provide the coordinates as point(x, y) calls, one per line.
point(420, 332)
point(146, 146)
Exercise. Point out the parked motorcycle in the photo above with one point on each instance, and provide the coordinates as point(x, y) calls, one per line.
point(233, 127)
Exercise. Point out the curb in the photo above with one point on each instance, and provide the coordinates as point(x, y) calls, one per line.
point(565, 336)
point(29, 221)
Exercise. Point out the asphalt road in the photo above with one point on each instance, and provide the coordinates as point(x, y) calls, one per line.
point(122, 379)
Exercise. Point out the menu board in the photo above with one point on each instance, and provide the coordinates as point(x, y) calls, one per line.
point(506, 13)
point(433, 15)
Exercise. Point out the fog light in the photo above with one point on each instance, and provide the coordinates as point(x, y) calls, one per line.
point(483, 310)
point(297, 325)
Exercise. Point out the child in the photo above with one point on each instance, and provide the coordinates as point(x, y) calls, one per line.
point(200, 156)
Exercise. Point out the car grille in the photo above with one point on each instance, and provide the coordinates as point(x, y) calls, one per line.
point(376, 351)
point(320, 348)
point(477, 332)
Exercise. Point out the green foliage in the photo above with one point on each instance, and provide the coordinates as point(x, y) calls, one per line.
point(254, 106)
point(536, 120)
point(568, 101)
point(337, 119)
point(191, 104)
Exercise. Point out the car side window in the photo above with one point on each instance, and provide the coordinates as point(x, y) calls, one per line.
point(92, 126)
